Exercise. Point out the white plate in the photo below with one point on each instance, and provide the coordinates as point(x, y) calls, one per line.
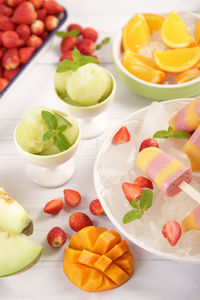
point(115, 164)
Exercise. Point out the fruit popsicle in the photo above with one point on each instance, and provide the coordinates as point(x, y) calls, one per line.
point(188, 118)
point(191, 221)
point(192, 149)
point(164, 170)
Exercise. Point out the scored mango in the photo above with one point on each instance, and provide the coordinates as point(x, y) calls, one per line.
point(97, 260)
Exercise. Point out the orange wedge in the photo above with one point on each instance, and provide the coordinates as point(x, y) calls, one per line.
point(142, 67)
point(154, 21)
point(188, 75)
point(197, 32)
point(136, 33)
point(174, 32)
point(176, 60)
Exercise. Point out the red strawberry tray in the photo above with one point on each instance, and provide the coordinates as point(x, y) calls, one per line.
point(42, 27)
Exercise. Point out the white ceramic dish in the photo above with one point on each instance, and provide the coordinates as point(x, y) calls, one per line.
point(115, 164)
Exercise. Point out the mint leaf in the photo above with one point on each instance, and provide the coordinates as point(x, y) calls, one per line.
point(50, 119)
point(62, 128)
point(61, 34)
point(135, 204)
point(106, 41)
point(61, 142)
point(146, 199)
point(170, 129)
point(85, 59)
point(131, 216)
point(73, 33)
point(47, 136)
point(98, 46)
point(161, 134)
point(181, 134)
point(76, 55)
point(67, 65)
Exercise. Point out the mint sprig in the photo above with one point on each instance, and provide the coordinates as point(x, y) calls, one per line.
point(55, 132)
point(78, 61)
point(72, 33)
point(140, 206)
point(103, 42)
point(165, 134)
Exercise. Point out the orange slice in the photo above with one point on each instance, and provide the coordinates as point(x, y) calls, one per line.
point(174, 32)
point(154, 21)
point(136, 33)
point(188, 75)
point(197, 32)
point(142, 67)
point(177, 60)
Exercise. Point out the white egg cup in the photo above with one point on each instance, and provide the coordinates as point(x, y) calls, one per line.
point(50, 170)
point(93, 119)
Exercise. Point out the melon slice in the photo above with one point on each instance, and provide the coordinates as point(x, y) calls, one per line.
point(13, 217)
point(17, 253)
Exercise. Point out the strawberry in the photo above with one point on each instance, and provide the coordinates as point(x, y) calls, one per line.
point(11, 39)
point(1, 33)
point(67, 55)
point(131, 191)
point(53, 207)
point(25, 54)
point(79, 220)
point(68, 43)
point(37, 27)
point(148, 143)
point(3, 1)
point(172, 231)
point(24, 31)
point(52, 7)
point(122, 136)
point(76, 27)
point(56, 237)
point(14, 3)
point(6, 24)
point(44, 35)
point(36, 3)
point(2, 50)
point(143, 182)
point(41, 14)
point(34, 41)
point(24, 13)
point(3, 83)
point(10, 74)
point(5, 10)
point(90, 33)
point(86, 46)
point(11, 59)
point(1, 71)
point(72, 197)
point(96, 208)
point(51, 22)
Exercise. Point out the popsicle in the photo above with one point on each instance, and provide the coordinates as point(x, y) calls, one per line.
point(188, 118)
point(192, 149)
point(191, 221)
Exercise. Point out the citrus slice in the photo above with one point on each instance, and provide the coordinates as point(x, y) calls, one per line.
point(154, 21)
point(136, 33)
point(142, 67)
point(176, 60)
point(174, 32)
point(197, 32)
point(188, 75)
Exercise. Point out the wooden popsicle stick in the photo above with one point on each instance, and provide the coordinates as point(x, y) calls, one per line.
point(189, 190)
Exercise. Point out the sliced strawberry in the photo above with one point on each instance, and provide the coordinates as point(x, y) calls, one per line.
point(72, 197)
point(79, 220)
point(52, 7)
point(56, 237)
point(77, 27)
point(131, 191)
point(122, 136)
point(53, 207)
point(67, 55)
point(172, 231)
point(90, 33)
point(143, 182)
point(96, 208)
point(148, 143)
point(68, 43)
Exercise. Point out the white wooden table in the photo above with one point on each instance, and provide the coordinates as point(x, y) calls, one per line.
point(155, 278)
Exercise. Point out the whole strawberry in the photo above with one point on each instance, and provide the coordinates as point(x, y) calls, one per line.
point(36, 3)
point(37, 27)
point(6, 24)
point(3, 83)
point(51, 22)
point(5, 10)
point(41, 14)
point(11, 39)
point(79, 220)
point(52, 7)
point(10, 74)
point(68, 43)
point(34, 41)
point(24, 13)
point(96, 208)
point(24, 31)
point(86, 46)
point(90, 33)
point(25, 54)
point(11, 59)
point(76, 27)
point(56, 237)
point(148, 143)
point(67, 55)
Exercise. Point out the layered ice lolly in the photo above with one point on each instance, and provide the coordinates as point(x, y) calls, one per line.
point(188, 118)
point(191, 221)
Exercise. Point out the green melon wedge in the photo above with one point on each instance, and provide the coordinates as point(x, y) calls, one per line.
point(17, 253)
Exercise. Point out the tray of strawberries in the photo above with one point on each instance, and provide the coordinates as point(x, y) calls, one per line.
point(26, 26)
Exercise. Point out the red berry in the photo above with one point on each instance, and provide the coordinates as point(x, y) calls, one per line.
point(143, 182)
point(11, 39)
point(68, 43)
point(11, 59)
point(67, 55)
point(36, 3)
point(122, 136)
point(5, 10)
point(3, 83)
point(3, 1)
point(2, 50)
point(52, 7)
point(90, 33)
point(72, 198)
point(96, 208)
point(86, 46)
point(56, 237)
point(37, 27)
point(44, 35)
point(53, 207)
point(41, 14)
point(24, 31)
point(79, 220)
point(131, 191)
point(10, 74)
point(172, 231)
point(25, 54)
point(34, 41)
point(14, 3)
point(24, 13)
point(51, 22)
point(6, 24)
point(76, 27)
point(148, 143)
